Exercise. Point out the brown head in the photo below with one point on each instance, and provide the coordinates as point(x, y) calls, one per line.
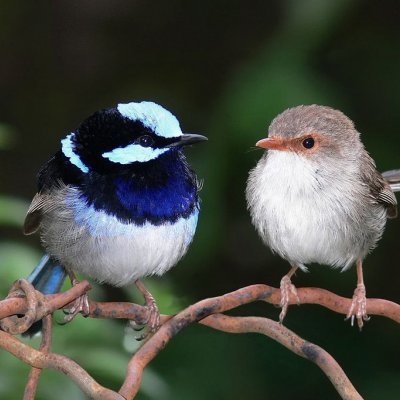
point(313, 131)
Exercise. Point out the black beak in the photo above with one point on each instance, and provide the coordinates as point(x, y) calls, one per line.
point(187, 139)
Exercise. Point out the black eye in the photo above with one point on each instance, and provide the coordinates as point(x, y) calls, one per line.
point(308, 143)
point(145, 141)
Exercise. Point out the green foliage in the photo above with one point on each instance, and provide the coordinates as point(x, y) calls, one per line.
point(7, 136)
point(12, 211)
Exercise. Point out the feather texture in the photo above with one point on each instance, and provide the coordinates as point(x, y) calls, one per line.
point(114, 209)
point(327, 206)
point(100, 246)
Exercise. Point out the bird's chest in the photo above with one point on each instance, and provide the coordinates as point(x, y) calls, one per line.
point(300, 214)
point(292, 202)
point(141, 199)
point(101, 246)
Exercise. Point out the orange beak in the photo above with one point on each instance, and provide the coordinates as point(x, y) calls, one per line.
point(271, 143)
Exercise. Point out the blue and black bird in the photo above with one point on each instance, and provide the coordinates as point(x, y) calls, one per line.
point(117, 202)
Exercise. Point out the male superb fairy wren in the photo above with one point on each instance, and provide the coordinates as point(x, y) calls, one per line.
point(316, 196)
point(117, 202)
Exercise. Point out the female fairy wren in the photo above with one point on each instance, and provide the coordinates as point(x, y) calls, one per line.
point(117, 202)
point(316, 196)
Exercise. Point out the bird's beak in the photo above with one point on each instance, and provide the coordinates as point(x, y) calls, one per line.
point(187, 139)
point(271, 143)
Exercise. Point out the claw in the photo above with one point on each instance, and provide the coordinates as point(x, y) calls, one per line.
point(80, 306)
point(358, 308)
point(287, 289)
point(153, 321)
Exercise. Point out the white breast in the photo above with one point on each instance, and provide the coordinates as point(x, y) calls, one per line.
point(307, 215)
point(100, 246)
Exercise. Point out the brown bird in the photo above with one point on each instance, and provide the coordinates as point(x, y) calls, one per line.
point(316, 196)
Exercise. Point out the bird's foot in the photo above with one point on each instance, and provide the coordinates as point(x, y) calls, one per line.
point(79, 306)
point(287, 289)
point(358, 308)
point(153, 321)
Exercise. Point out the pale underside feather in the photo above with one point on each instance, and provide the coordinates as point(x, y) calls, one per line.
point(307, 215)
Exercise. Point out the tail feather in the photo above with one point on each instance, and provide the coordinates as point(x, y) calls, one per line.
point(393, 178)
point(48, 277)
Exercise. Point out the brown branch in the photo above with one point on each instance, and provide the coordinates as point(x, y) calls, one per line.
point(269, 294)
point(341, 305)
point(291, 341)
point(34, 375)
point(50, 303)
point(41, 360)
point(16, 323)
point(125, 310)
point(119, 310)
point(206, 312)
point(216, 305)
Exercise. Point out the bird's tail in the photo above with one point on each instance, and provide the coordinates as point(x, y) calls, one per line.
point(393, 178)
point(48, 277)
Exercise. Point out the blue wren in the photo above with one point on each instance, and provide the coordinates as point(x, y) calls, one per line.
point(117, 202)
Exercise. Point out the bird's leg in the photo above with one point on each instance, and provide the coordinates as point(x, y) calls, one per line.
point(153, 322)
point(358, 306)
point(287, 288)
point(81, 304)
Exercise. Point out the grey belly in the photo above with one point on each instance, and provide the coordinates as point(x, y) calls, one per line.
point(109, 251)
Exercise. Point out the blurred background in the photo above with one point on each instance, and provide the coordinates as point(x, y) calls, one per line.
point(225, 69)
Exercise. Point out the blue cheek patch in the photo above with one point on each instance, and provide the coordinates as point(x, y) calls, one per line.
point(152, 116)
point(68, 151)
point(133, 153)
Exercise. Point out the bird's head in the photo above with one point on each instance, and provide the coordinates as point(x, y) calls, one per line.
point(129, 134)
point(315, 132)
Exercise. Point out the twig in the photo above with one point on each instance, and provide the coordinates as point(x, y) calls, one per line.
point(216, 305)
point(34, 375)
point(269, 294)
point(50, 303)
point(291, 341)
point(206, 312)
point(125, 310)
point(58, 362)
point(16, 323)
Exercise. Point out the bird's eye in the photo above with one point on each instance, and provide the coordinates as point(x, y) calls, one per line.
point(145, 141)
point(308, 143)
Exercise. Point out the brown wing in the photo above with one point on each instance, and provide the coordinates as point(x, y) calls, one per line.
point(55, 174)
point(34, 214)
point(41, 203)
point(387, 197)
point(380, 189)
